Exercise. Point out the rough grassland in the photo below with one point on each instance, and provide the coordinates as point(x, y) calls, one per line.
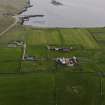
point(9, 7)
point(5, 22)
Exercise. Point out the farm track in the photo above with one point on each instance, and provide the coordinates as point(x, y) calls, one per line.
point(9, 27)
point(24, 51)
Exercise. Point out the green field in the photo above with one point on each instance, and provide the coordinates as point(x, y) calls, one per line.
point(9, 60)
point(90, 52)
point(50, 89)
point(44, 82)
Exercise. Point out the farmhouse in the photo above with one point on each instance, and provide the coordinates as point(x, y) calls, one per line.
point(12, 45)
point(19, 42)
point(16, 44)
point(67, 61)
point(59, 49)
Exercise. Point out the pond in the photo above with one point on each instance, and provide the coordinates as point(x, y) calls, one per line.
point(72, 13)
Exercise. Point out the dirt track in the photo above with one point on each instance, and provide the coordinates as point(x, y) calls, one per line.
point(10, 27)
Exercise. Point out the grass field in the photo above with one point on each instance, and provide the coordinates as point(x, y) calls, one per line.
point(27, 90)
point(9, 60)
point(99, 36)
point(50, 89)
point(90, 51)
point(44, 82)
point(76, 37)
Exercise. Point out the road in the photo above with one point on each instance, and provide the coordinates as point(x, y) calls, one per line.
point(24, 51)
point(11, 26)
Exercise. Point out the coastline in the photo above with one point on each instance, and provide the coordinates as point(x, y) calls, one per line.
point(22, 19)
point(28, 5)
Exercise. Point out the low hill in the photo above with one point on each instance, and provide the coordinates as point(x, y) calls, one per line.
point(9, 7)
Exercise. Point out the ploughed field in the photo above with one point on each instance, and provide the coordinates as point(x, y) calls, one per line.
point(43, 81)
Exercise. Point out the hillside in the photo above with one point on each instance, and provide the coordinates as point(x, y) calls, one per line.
point(8, 8)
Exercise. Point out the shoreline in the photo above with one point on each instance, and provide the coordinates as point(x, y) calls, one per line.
point(41, 27)
point(28, 5)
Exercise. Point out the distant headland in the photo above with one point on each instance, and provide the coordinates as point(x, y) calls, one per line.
point(56, 3)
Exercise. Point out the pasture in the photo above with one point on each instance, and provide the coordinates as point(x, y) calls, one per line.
point(9, 60)
point(43, 81)
point(84, 44)
point(99, 36)
point(50, 89)
point(76, 37)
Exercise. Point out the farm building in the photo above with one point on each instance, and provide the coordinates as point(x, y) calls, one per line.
point(12, 45)
point(29, 58)
point(19, 43)
point(59, 49)
point(16, 44)
point(67, 61)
